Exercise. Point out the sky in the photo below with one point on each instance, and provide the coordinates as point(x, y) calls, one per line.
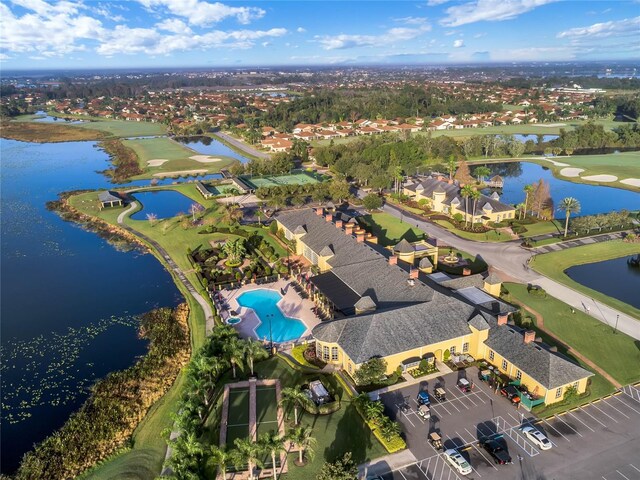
point(42, 34)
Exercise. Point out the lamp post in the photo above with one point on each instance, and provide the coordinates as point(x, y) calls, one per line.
point(270, 316)
point(615, 330)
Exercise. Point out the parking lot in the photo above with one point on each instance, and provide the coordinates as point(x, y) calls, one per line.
point(599, 441)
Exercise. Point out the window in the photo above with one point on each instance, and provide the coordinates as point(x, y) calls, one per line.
point(334, 354)
point(325, 353)
point(310, 255)
point(349, 368)
point(559, 392)
point(504, 364)
point(575, 385)
point(518, 374)
point(465, 347)
point(491, 355)
point(453, 350)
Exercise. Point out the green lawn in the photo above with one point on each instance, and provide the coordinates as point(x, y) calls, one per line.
point(117, 128)
point(389, 229)
point(615, 353)
point(542, 228)
point(176, 154)
point(553, 265)
point(490, 236)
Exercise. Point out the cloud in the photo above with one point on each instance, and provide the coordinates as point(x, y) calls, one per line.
point(411, 20)
point(628, 26)
point(174, 25)
point(204, 13)
point(448, 33)
point(343, 41)
point(480, 35)
point(435, 3)
point(4, 56)
point(300, 30)
point(458, 43)
point(481, 56)
point(489, 10)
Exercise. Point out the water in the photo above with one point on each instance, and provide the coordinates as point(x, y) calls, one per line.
point(46, 118)
point(211, 146)
point(162, 203)
point(69, 299)
point(264, 303)
point(593, 198)
point(545, 138)
point(614, 278)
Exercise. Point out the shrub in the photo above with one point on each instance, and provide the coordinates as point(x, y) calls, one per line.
point(446, 355)
point(273, 228)
point(458, 217)
point(372, 202)
point(371, 371)
point(537, 291)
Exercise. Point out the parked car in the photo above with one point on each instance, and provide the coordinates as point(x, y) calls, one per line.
point(511, 392)
point(537, 437)
point(465, 385)
point(423, 398)
point(458, 462)
point(496, 447)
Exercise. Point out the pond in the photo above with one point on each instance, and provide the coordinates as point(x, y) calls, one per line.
point(211, 146)
point(69, 299)
point(162, 203)
point(43, 117)
point(614, 278)
point(593, 198)
point(524, 138)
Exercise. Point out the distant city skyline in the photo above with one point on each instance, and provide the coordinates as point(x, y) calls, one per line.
point(37, 34)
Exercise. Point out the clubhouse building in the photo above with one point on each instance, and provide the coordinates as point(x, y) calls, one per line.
point(384, 304)
point(445, 197)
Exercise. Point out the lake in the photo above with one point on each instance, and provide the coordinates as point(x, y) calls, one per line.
point(69, 299)
point(210, 146)
point(593, 198)
point(534, 138)
point(162, 203)
point(614, 278)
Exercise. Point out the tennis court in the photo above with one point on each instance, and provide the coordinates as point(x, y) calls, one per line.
point(238, 420)
point(266, 409)
point(303, 178)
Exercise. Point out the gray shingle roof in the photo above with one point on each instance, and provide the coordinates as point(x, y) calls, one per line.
point(492, 279)
point(365, 303)
point(326, 252)
point(403, 247)
point(464, 282)
point(108, 196)
point(425, 263)
point(550, 369)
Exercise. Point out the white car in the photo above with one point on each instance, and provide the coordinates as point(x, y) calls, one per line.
point(457, 461)
point(537, 437)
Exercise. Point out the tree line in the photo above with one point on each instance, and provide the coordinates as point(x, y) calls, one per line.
point(117, 403)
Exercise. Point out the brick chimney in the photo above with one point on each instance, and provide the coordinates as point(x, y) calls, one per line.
point(348, 228)
point(338, 223)
point(466, 271)
point(413, 273)
point(502, 319)
point(529, 336)
point(393, 260)
point(360, 238)
point(450, 181)
point(328, 217)
point(440, 178)
point(319, 211)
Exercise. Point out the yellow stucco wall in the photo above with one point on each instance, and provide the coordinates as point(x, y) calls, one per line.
point(492, 289)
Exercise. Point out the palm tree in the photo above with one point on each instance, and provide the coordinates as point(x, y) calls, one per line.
point(221, 458)
point(274, 444)
point(481, 172)
point(528, 190)
point(451, 166)
point(234, 351)
point(231, 213)
point(259, 215)
point(301, 436)
point(466, 192)
point(475, 196)
point(294, 397)
point(569, 205)
point(247, 451)
point(254, 351)
point(373, 410)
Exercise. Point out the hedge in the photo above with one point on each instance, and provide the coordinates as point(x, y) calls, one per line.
point(394, 445)
point(324, 409)
point(298, 354)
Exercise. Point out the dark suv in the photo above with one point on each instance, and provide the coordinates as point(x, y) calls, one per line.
point(511, 393)
point(497, 449)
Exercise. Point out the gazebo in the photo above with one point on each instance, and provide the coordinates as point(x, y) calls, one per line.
point(109, 199)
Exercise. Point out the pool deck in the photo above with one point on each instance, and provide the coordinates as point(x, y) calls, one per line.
point(291, 305)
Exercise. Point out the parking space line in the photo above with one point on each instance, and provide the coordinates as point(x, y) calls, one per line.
point(527, 423)
point(558, 418)
point(584, 410)
point(597, 408)
point(485, 457)
point(518, 420)
point(486, 435)
point(626, 404)
point(608, 404)
point(580, 420)
point(455, 444)
point(464, 439)
point(556, 430)
point(405, 478)
point(634, 467)
point(623, 476)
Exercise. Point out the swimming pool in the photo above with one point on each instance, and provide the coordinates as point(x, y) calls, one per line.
point(264, 303)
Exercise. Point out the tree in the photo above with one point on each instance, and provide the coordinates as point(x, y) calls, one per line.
point(339, 190)
point(342, 469)
point(195, 208)
point(516, 148)
point(528, 190)
point(231, 214)
point(379, 182)
point(475, 196)
point(254, 351)
point(373, 411)
point(235, 250)
point(371, 371)
point(541, 198)
point(482, 172)
point(466, 192)
point(301, 437)
point(272, 443)
point(451, 166)
point(463, 175)
point(247, 451)
point(389, 429)
point(569, 205)
point(221, 458)
point(295, 397)
point(372, 202)
point(234, 352)
point(152, 218)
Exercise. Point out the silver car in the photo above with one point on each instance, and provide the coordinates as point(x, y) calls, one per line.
point(457, 461)
point(537, 437)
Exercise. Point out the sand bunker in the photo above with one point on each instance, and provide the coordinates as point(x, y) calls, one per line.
point(601, 178)
point(156, 162)
point(181, 172)
point(557, 164)
point(571, 172)
point(205, 159)
point(634, 182)
point(551, 125)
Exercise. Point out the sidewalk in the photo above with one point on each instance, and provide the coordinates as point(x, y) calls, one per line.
point(442, 370)
point(386, 464)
